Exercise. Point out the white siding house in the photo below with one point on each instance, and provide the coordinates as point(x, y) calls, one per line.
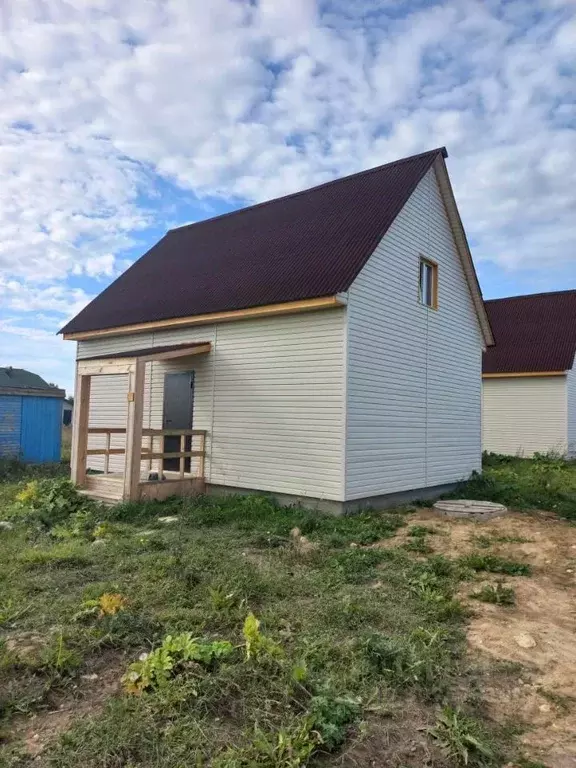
point(366, 390)
point(522, 416)
point(529, 381)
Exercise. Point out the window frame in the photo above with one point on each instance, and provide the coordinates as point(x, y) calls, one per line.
point(433, 267)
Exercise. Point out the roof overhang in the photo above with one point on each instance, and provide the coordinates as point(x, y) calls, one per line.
point(267, 310)
point(33, 391)
point(123, 362)
point(463, 248)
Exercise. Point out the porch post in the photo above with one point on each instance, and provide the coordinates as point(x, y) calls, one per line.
point(80, 429)
point(134, 431)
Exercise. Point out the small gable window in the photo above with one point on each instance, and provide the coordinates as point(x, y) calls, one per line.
point(428, 283)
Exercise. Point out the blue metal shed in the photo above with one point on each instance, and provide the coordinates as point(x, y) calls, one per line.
point(30, 417)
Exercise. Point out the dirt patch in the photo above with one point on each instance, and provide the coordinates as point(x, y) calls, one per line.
point(84, 697)
point(397, 741)
point(538, 633)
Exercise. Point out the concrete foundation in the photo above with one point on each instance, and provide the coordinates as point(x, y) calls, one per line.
point(333, 507)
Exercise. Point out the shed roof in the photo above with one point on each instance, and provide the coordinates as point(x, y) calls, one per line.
point(17, 381)
point(307, 245)
point(18, 378)
point(535, 333)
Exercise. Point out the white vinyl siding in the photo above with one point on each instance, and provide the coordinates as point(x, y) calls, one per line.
point(270, 395)
point(414, 373)
point(524, 415)
point(571, 396)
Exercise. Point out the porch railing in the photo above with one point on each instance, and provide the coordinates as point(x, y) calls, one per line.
point(148, 453)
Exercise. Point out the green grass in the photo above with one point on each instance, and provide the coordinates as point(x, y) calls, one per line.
point(494, 564)
point(544, 482)
point(462, 739)
point(498, 594)
point(345, 630)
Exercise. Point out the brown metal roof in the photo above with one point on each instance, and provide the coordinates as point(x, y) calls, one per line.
point(534, 333)
point(150, 351)
point(302, 246)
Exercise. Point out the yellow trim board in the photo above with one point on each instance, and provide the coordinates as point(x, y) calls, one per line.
point(285, 308)
point(522, 375)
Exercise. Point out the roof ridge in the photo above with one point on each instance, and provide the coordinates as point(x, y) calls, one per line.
point(365, 172)
point(531, 295)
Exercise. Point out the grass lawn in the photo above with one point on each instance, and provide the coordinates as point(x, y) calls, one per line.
point(325, 646)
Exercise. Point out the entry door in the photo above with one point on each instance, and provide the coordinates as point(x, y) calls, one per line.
point(178, 407)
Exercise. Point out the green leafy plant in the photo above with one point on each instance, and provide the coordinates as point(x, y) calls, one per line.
point(57, 659)
point(289, 746)
point(498, 594)
point(258, 645)
point(51, 500)
point(420, 530)
point(332, 716)
point(223, 599)
point(418, 661)
point(495, 564)
point(154, 669)
point(417, 544)
point(77, 525)
point(461, 739)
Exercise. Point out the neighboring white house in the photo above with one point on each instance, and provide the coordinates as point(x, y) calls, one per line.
point(529, 378)
point(329, 346)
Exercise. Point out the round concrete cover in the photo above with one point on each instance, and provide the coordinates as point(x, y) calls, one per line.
point(469, 508)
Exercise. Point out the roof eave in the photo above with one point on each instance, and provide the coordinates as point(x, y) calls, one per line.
point(521, 374)
point(267, 310)
point(463, 247)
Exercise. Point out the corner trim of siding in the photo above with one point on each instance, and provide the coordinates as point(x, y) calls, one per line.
point(345, 356)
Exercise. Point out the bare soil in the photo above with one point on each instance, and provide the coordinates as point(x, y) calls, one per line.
point(396, 742)
point(541, 696)
point(86, 697)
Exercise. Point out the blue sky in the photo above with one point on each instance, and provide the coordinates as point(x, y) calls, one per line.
point(120, 120)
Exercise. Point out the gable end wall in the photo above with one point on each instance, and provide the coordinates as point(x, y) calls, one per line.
point(571, 398)
point(413, 373)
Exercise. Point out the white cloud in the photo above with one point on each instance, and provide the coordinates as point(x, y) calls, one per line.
point(30, 297)
point(37, 350)
point(251, 100)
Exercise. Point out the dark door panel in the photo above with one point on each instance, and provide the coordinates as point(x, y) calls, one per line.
point(178, 407)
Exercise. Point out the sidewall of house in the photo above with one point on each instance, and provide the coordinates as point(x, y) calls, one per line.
point(414, 373)
point(524, 415)
point(571, 399)
point(269, 394)
point(41, 438)
point(10, 425)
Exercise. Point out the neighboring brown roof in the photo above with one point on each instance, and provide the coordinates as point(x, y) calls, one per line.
point(535, 333)
point(148, 351)
point(305, 245)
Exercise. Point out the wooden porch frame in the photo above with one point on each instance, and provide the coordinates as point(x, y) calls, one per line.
point(135, 368)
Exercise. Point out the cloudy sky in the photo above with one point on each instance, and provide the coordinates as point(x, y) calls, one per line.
point(119, 120)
